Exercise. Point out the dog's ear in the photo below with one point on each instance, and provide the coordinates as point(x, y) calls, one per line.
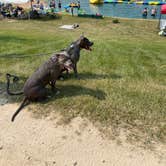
point(80, 39)
point(82, 36)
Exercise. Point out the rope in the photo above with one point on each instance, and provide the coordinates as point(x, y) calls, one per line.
point(23, 56)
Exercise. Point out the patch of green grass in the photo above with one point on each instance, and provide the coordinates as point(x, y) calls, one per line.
point(123, 80)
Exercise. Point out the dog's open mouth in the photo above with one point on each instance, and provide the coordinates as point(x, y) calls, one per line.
point(88, 47)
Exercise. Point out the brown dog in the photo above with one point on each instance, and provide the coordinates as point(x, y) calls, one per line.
point(35, 87)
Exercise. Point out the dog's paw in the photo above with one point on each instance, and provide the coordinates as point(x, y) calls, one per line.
point(57, 92)
point(61, 78)
point(77, 77)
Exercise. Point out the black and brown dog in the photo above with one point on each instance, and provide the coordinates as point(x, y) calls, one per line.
point(35, 87)
point(73, 51)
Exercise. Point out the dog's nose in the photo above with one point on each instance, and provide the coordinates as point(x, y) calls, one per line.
point(92, 43)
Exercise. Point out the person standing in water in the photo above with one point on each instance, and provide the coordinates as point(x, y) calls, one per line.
point(145, 12)
point(59, 4)
point(78, 5)
point(153, 12)
point(72, 10)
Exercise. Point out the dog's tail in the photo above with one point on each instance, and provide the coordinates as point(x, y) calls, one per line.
point(15, 78)
point(23, 104)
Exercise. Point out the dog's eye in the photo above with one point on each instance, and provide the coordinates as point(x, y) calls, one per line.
point(86, 40)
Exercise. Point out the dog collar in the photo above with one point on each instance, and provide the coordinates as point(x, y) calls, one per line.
point(72, 45)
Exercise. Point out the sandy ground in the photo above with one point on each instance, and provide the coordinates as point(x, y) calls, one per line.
point(44, 142)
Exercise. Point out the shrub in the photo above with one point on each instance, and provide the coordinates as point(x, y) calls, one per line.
point(115, 21)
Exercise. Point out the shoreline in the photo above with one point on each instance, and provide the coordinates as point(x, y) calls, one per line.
point(92, 9)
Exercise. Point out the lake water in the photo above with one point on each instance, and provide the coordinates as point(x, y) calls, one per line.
point(110, 9)
point(114, 10)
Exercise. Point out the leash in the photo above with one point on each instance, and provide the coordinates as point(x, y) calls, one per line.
point(23, 56)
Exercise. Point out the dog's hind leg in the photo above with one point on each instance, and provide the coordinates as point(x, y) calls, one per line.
point(53, 87)
point(52, 84)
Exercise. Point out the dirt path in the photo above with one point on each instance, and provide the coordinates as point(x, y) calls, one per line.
point(42, 142)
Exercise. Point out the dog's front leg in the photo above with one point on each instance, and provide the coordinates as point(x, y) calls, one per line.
point(52, 84)
point(75, 70)
point(53, 88)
